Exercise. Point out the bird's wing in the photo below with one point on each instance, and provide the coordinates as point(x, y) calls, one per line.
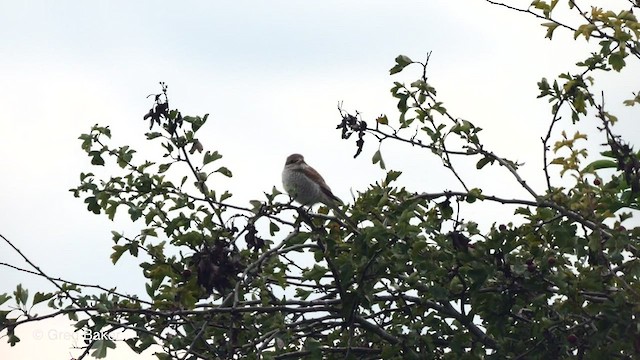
point(315, 176)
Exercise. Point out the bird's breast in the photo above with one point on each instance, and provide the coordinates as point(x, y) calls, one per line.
point(300, 187)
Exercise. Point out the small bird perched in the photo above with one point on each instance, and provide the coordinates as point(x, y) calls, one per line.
point(306, 186)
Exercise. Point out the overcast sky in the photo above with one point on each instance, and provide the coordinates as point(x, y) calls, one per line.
point(271, 74)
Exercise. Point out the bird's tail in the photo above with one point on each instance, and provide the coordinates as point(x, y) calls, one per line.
point(344, 217)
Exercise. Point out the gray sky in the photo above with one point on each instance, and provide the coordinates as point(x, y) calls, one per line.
point(271, 75)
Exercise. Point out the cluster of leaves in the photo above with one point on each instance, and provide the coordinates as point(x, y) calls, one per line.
point(565, 281)
point(413, 281)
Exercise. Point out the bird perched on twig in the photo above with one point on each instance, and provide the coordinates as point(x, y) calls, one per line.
point(306, 186)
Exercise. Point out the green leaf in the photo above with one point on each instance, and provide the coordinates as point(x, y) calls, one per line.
point(299, 238)
point(96, 158)
point(118, 250)
point(523, 211)
point(273, 228)
point(600, 164)
point(111, 209)
point(316, 273)
point(616, 60)
point(257, 205)
point(551, 26)
point(149, 217)
point(382, 119)
point(3, 315)
point(151, 288)
point(87, 140)
point(392, 176)
point(313, 346)
point(402, 61)
point(473, 194)
point(211, 157)
point(13, 339)
point(40, 297)
point(164, 167)
point(101, 347)
point(632, 102)
point(124, 156)
point(134, 212)
point(476, 192)
point(226, 195)
point(484, 161)
point(224, 171)
point(377, 157)
point(196, 121)
point(115, 236)
point(133, 249)
point(439, 292)
point(92, 204)
point(302, 293)
point(390, 351)
point(446, 209)
point(4, 298)
point(82, 323)
point(152, 135)
point(21, 295)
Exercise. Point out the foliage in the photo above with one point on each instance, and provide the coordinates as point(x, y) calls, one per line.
point(559, 280)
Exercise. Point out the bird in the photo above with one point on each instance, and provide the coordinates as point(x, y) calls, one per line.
point(307, 187)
